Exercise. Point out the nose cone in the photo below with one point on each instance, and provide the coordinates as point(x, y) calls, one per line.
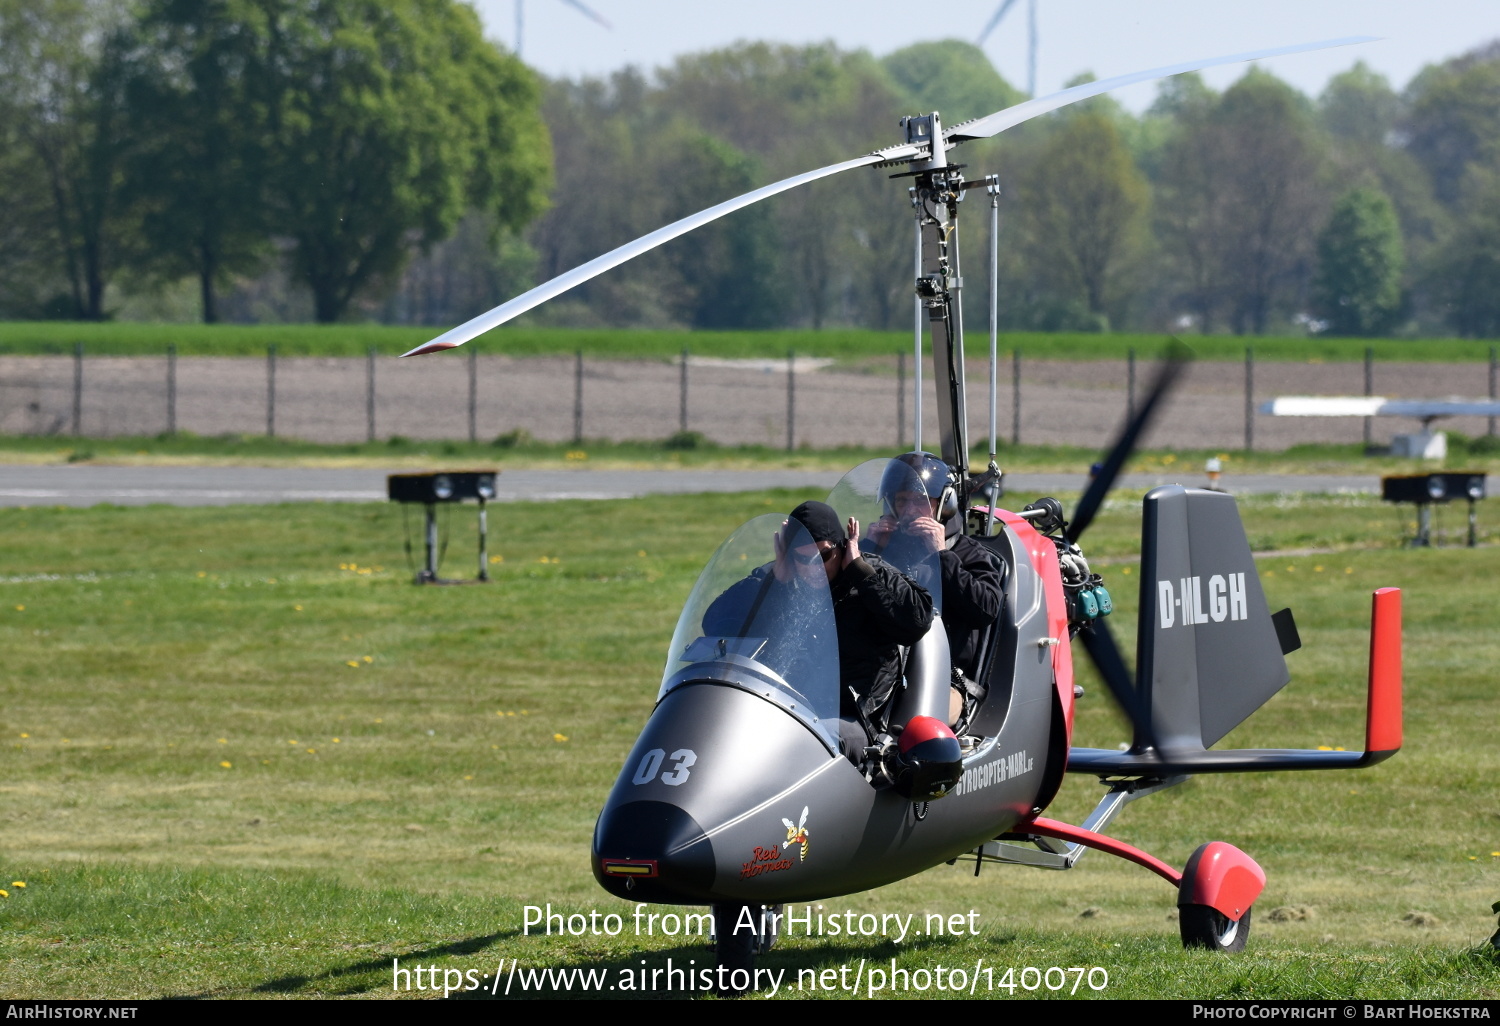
point(711, 779)
point(652, 851)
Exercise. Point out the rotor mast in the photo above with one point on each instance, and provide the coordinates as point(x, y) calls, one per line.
point(938, 190)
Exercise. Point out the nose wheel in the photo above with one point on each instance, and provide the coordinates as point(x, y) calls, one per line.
point(735, 949)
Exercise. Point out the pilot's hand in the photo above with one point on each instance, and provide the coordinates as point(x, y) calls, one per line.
point(928, 533)
point(851, 544)
point(881, 531)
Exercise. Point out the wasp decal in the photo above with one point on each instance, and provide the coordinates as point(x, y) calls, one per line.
point(797, 834)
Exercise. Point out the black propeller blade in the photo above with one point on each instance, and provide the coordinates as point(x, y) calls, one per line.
point(1097, 639)
point(1099, 643)
point(1177, 357)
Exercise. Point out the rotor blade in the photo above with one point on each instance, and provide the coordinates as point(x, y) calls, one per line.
point(1105, 655)
point(1177, 358)
point(996, 20)
point(589, 12)
point(583, 272)
point(994, 124)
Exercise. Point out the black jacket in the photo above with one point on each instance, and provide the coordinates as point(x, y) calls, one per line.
point(972, 585)
point(877, 609)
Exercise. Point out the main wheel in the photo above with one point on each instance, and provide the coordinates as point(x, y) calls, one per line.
point(1205, 927)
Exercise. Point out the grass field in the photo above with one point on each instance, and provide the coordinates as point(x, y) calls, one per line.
point(142, 339)
point(244, 756)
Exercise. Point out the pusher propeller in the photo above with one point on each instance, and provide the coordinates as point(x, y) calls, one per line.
point(1104, 653)
point(1177, 357)
point(1097, 640)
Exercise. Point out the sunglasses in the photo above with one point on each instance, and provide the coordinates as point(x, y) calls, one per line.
point(813, 558)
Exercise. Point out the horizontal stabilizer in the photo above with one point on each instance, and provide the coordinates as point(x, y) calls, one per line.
point(1382, 727)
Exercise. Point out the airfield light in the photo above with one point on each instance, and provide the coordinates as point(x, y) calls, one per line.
point(431, 489)
point(1213, 468)
point(1426, 490)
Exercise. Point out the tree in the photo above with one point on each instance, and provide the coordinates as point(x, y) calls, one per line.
point(1464, 277)
point(462, 276)
point(62, 109)
point(793, 109)
point(1453, 118)
point(1359, 107)
point(1240, 192)
point(952, 77)
point(1084, 206)
point(1357, 290)
point(388, 121)
point(1362, 116)
point(728, 268)
point(631, 152)
point(195, 82)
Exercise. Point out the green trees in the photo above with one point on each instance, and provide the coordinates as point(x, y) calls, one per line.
point(1084, 209)
point(352, 158)
point(1453, 118)
point(1241, 198)
point(387, 121)
point(196, 93)
point(1357, 290)
point(1463, 280)
point(199, 131)
point(65, 137)
point(634, 154)
point(1453, 129)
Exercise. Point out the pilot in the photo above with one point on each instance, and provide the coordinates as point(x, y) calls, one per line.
point(876, 610)
point(920, 495)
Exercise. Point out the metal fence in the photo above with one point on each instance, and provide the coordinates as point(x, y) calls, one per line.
point(792, 402)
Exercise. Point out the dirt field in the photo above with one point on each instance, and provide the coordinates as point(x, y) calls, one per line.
point(327, 400)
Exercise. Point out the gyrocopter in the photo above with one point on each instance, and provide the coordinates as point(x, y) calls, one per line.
point(745, 791)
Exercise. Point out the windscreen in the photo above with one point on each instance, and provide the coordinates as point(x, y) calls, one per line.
point(761, 617)
point(895, 517)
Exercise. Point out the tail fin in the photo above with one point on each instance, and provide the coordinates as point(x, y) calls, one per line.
point(1209, 650)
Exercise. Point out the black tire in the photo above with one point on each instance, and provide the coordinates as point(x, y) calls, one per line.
point(733, 950)
point(1205, 927)
point(772, 922)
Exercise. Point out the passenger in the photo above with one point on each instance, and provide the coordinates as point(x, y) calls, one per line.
point(919, 523)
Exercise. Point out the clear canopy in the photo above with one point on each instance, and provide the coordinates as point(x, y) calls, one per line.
point(761, 618)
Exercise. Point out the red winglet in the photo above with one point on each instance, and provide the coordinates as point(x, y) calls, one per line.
point(1383, 726)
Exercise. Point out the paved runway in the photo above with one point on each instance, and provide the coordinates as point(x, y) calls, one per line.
point(222, 486)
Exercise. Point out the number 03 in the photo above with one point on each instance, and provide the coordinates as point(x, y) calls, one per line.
point(651, 763)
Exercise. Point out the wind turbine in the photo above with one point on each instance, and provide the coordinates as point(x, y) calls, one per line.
point(999, 15)
point(577, 5)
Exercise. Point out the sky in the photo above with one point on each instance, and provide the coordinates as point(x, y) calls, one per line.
point(1105, 37)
